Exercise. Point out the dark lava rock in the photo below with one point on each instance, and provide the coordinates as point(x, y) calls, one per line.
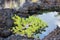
point(18, 37)
point(5, 17)
point(5, 33)
point(6, 22)
point(30, 9)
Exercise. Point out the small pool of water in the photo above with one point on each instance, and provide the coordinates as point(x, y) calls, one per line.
point(51, 21)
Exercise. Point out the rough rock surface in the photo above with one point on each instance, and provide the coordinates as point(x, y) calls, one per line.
point(5, 22)
point(17, 37)
point(54, 35)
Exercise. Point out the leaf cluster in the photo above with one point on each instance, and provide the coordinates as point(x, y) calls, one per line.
point(28, 26)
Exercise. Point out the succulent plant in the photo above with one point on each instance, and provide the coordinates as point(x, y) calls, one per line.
point(28, 26)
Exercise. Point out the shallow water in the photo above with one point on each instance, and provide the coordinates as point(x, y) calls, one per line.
point(51, 21)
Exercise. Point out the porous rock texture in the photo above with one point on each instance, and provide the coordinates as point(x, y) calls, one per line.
point(17, 37)
point(54, 35)
point(5, 22)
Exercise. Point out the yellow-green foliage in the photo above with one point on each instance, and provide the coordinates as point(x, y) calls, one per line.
point(27, 26)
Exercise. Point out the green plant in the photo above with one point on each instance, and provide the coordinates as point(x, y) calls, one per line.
point(28, 26)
